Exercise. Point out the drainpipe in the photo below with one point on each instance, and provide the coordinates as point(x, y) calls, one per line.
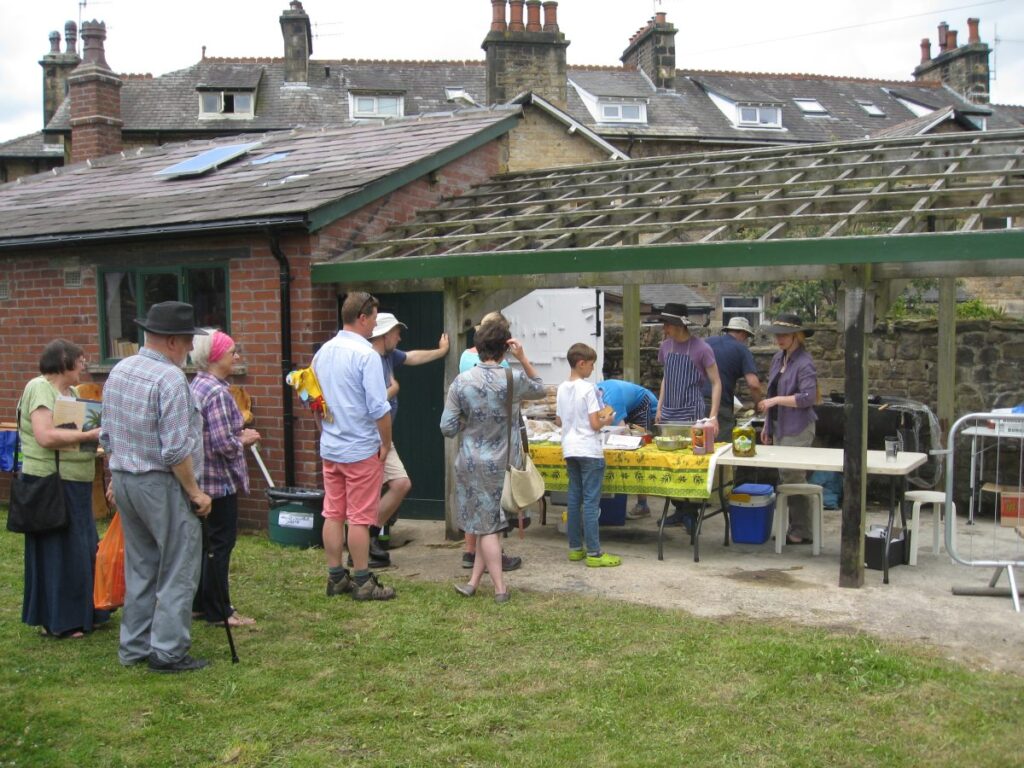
point(285, 275)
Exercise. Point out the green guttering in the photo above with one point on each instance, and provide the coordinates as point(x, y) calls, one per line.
point(946, 246)
point(326, 214)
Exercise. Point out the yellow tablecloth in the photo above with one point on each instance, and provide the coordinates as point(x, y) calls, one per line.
point(647, 470)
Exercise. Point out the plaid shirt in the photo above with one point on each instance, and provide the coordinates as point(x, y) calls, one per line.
point(224, 471)
point(150, 421)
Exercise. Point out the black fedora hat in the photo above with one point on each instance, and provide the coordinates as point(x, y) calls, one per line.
point(787, 322)
point(677, 314)
point(171, 318)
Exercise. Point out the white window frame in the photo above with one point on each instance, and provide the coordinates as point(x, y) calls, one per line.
point(759, 114)
point(220, 114)
point(810, 106)
point(612, 112)
point(754, 314)
point(871, 108)
point(375, 101)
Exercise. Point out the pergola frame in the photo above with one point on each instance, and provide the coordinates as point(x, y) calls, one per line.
point(946, 206)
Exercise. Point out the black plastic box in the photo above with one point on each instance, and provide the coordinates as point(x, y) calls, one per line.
point(899, 550)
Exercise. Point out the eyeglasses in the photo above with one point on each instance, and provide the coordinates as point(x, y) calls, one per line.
point(369, 305)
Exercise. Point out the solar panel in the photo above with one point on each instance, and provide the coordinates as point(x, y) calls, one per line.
point(205, 161)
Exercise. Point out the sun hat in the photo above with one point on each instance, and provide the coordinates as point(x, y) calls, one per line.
point(738, 323)
point(171, 318)
point(677, 314)
point(787, 323)
point(385, 322)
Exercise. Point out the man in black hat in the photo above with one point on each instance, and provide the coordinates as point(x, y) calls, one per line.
point(153, 434)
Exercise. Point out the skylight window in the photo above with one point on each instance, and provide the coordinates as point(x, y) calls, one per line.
point(206, 161)
point(457, 93)
point(811, 107)
point(623, 112)
point(871, 108)
point(758, 116)
point(919, 110)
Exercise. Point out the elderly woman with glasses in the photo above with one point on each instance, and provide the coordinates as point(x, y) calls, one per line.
point(59, 565)
point(224, 472)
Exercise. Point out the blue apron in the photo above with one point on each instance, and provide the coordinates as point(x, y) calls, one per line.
point(683, 399)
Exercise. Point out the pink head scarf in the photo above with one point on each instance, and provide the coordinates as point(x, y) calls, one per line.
point(219, 344)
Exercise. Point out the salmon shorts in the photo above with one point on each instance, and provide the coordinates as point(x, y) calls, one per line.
point(352, 491)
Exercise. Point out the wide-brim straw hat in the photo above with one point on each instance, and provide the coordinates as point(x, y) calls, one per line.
point(787, 323)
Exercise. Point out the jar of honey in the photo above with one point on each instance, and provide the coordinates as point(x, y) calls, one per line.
point(744, 440)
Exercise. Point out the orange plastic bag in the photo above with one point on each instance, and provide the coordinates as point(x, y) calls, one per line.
point(108, 588)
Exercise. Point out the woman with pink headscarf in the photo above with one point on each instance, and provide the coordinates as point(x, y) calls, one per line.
point(224, 471)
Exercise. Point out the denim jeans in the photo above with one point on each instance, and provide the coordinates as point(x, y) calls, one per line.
point(585, 477)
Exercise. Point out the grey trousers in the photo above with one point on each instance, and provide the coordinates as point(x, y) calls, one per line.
point(799, 506)
point(162, 559)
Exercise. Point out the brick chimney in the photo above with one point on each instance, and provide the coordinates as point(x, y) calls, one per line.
point(926, 50)
point(95, 93)
point(526, 57)
point(653, 50)
point(963, 68)
point(57, 67)
point(298, 43)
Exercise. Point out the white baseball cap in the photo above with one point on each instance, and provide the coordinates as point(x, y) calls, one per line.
point(385, 322)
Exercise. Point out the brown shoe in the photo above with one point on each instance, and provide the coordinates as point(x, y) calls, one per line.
point(339, 587)
point(372, 590)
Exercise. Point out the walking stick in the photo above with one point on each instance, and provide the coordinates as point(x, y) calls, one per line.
point(222, 597)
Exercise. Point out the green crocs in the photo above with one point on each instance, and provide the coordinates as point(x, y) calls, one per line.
point(604, 560)
point(575, 555)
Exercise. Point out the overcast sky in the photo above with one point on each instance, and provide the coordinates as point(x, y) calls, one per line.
point(863, 38)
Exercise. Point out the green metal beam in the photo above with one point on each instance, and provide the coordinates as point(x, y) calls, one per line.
point(331, 212)
point(946, 246)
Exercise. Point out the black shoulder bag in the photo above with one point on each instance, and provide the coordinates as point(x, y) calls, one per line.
point(37, 503)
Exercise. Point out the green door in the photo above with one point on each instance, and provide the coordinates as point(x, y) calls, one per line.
point(420, 402)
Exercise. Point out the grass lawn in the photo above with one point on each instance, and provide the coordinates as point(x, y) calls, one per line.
point(433, 679)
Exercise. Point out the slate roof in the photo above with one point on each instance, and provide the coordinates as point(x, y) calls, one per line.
point(921, 125)
point(657, 296)
point(314, 168)
point(31, 146)
point(170, 102)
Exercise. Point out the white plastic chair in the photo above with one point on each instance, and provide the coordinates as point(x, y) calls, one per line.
point(937, 500)
point(816, 497)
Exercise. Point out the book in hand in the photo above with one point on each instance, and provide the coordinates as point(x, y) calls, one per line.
point(75, 413)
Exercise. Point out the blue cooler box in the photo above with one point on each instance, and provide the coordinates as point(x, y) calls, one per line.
point(613, 510)
point(751, 509)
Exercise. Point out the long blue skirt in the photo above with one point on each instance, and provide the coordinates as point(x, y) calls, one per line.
point(60, 567)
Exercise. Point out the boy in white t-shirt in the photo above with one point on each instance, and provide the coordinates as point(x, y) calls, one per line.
point(581, 417)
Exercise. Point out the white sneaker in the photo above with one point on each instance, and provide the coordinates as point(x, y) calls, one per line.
point(639, 511)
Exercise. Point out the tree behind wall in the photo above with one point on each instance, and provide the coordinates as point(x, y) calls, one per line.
point(813, 300)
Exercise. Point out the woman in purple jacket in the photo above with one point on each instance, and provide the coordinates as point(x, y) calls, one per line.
point(789, 410)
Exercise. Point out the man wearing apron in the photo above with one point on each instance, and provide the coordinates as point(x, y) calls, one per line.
point(688, 362)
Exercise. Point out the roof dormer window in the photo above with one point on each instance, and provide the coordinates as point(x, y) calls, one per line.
point(623, 112)
point(811, 106)
point(759, 116)
point(225, 104)
point(369, 105)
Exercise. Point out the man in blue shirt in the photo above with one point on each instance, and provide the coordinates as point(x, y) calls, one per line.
point(353, 446)
point(385, 337)
point(735, 362)
point(632, 404)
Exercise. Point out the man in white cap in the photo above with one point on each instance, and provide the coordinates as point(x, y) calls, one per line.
point(385, 337)
point(735, 362)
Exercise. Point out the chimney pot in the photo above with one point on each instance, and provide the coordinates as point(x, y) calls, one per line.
point(951, 40)
point(660, 17)
point(93, 34)
point(515, 20)
point(55, 42)
point(973, 38)
point(943, 37)
point(70, 37)
point(550, 16)
point(926, 50)
point(533, 16)
point(498, 16)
